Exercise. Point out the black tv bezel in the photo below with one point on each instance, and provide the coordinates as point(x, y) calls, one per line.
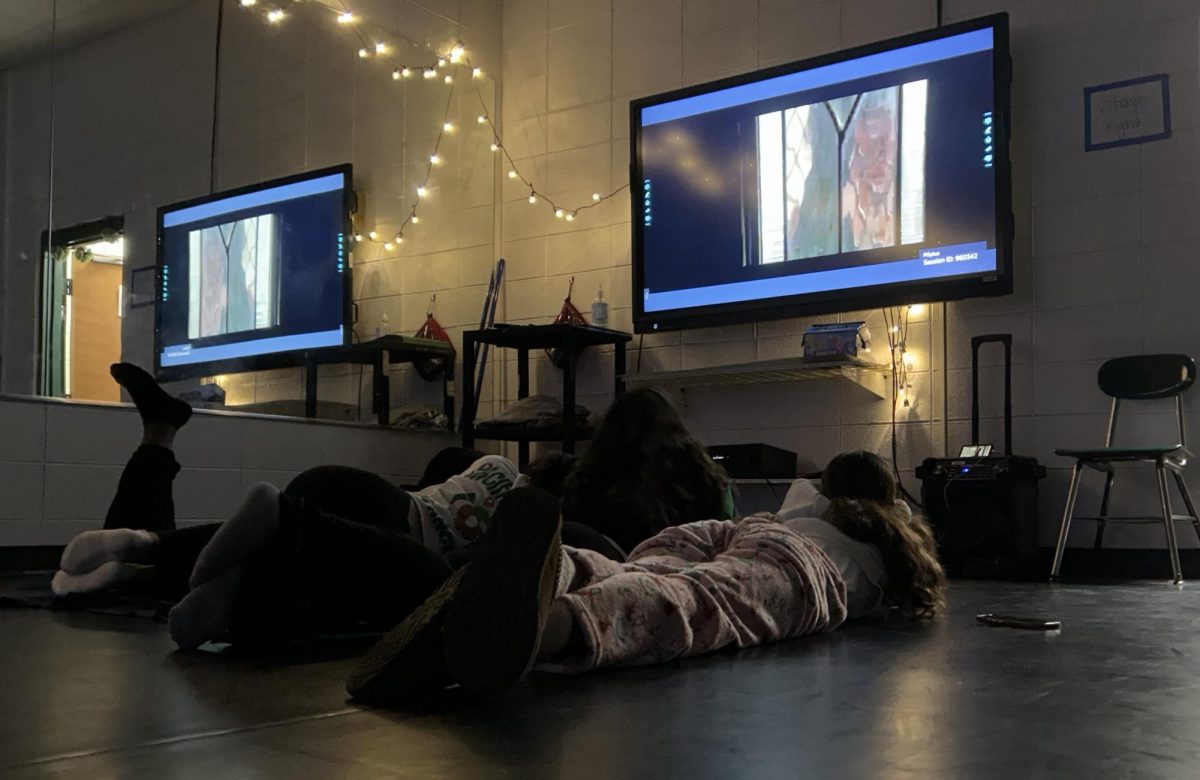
point(858, 298)
point(272, 360)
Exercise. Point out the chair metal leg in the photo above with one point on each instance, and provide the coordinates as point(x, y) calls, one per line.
point(1072, 494)
point(1100, 523)
point(1187, 499)
point(1172, 544)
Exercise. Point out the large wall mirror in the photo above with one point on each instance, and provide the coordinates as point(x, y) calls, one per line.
point(115, 108)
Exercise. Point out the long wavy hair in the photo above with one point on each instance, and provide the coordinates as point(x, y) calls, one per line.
point(642, 472)
point(862, 495)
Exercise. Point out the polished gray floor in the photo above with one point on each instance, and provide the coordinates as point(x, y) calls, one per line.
point(1116, 693)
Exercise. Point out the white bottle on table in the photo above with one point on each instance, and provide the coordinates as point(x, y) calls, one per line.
point(600, 310)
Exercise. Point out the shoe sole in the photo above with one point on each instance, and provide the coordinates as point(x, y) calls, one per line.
point(491, 633)
point(407, 662)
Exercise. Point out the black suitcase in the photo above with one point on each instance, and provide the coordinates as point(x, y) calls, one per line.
point(984, 511)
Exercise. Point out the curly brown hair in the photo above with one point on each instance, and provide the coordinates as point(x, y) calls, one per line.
point(642, 472)
point(862, 495)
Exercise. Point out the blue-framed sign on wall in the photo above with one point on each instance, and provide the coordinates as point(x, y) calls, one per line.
point(1126, 112)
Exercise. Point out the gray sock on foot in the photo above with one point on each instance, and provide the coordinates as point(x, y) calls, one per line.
point(92, 548)
point(103, 576)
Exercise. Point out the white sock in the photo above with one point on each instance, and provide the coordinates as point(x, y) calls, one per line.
point(103, 576)
point(206, 612)
point(92, 548)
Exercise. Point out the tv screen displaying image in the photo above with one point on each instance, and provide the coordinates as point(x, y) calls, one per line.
point(871, 177)
point(253, 278)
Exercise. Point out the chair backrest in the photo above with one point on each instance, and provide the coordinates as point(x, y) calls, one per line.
point(1144, 377)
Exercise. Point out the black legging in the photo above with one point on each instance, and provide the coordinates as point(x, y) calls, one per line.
point(343, 561)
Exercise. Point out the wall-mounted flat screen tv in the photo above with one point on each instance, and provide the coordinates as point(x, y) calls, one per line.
point(872, 177)
point(253, 278)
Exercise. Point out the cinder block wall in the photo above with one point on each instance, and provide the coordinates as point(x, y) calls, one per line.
point(1107, 243)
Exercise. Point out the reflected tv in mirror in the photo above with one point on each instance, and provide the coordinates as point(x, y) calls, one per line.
point(253, 278)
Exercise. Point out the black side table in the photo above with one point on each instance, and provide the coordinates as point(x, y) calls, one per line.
point(572, 340)
point(398, 349)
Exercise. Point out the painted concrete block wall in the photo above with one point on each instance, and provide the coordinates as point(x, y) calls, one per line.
point(1107, 248)
point(60, 461)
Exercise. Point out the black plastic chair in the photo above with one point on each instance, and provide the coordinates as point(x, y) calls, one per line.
point(1137, 378)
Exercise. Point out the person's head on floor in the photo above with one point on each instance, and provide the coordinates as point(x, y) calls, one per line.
point(549, 472)
point(642, 472)
point(858, 474)
point(448, 463)
point(863, 505)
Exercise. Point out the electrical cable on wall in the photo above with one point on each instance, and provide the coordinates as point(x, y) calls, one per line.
point(212, 148)
point(896, 324)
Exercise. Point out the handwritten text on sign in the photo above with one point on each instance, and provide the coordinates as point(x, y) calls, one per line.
point(1127, 112)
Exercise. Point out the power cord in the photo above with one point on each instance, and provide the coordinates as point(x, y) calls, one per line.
point(897, 333)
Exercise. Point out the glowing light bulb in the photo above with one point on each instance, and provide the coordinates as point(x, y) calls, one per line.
point(449, 79)
point(358, 237)
point(399, 239)
point(477, 73)
point(532, 197)
point(372, 235)
point(595, 197)
point(495, 146)
point(275, 16)
point(363, 53)
point(435, 159)
point(448, 127)
point(381, 48)
point(559, 213)
point(387, 245)
point(422, 192)
point(481, 119)
point(429, 73)
point(415, 219)
point(441, 62)
point(895, 329)
point(457, 52)
point(345, 18)
point(512, 174)
point(570, 216)
point(395, 75)
point(406, 72)
point(248, 3)
point(917, 309)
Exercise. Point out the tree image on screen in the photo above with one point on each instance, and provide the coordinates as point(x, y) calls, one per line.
point(830, 174)
point(233, 277)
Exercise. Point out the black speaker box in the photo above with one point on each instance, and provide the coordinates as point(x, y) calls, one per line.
point(984, 511)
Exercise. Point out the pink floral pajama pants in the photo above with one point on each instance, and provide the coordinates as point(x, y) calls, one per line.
point(697, 588)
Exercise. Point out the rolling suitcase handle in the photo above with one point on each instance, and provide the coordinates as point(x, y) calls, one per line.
point(976, 343)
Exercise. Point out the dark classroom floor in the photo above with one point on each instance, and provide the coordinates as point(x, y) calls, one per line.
point(1116, 693)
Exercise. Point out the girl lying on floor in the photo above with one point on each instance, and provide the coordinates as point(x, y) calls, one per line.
point(690, 589)
point(340, 550)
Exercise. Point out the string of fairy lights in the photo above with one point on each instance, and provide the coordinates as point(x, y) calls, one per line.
point(449, 67)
